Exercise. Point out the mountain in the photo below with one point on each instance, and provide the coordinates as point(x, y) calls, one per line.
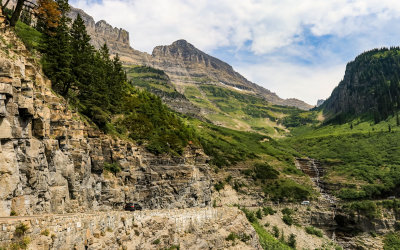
point(370, 87)
point(187, 65)
point(117, 39)
point(182, 62)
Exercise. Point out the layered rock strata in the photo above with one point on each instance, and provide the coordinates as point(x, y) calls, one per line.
point(52, 161)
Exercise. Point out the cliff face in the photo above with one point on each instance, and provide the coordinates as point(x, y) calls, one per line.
point(186, 64)
point(370, 86)
point(51, 161)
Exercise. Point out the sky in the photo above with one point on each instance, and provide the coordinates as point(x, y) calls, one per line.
point(295, 48)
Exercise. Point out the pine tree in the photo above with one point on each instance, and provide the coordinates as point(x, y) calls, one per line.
point(82, 54)
point(57, 57)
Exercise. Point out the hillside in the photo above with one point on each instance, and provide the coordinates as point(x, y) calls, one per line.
point(370, 87)
point(187, 137)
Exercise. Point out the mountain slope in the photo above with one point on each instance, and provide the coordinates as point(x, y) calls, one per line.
point(370, 87)
point(182, 62)
point(186, 65)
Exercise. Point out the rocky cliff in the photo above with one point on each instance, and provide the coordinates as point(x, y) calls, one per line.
point(52, 160)
point(185, 64)
point(370, 86)
point(117, 39)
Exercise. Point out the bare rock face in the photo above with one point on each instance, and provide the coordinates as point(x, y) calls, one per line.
point(51, 161)
point(185, 64)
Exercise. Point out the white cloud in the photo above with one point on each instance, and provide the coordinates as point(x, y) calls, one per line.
point(271, 26)
point(290, 80)
point(209, 24)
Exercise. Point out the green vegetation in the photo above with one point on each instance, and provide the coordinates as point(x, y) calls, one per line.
point(98, 88)
point(314, 231)
point(219, 186)
point(391, 241)
point(153, 80)
point(156, 242)
point(112, 167)
point(21, 229)
point(373, 80)
point(233, 236)
point(267, 241)
point(45, 232)
point(292, 241)
point(268, 211)
point(287, 211)
point(287, 219)
point(287, 189)
point(365, 208)
point(30, 36)
point(366, 163)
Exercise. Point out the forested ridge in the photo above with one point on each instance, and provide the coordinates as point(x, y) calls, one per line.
point(371, 87)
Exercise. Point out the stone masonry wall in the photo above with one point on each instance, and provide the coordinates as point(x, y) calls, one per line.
point(196, 228)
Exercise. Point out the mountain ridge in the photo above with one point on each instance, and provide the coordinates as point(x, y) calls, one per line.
point(119, 43)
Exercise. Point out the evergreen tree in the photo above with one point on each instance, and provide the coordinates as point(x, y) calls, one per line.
point(56, 49)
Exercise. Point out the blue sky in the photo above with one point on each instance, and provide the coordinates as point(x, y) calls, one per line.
point(295, 48)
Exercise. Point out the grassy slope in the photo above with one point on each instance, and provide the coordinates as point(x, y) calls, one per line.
point(362, 155)
point(240, 110)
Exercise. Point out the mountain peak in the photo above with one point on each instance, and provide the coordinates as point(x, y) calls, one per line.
point(181, 43)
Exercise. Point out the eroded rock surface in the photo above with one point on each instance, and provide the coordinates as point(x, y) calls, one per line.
point(51, 161)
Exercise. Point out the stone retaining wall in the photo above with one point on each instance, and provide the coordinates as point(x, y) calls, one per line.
point(130, 230)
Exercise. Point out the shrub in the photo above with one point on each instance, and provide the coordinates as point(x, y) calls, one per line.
point(21, 229)
point(287, 189)
point(232, 237)
point(156, 242)
point(397, 226)
point(391, 241)
point(275, 231)
point(249, 215)
point(292, 241)
point(13, 213)
point(219, 186)
point(264, 171)
point(259, 214)
point(45, 232)
point(314, 231)
point(287, 211)
point(268, 211)
point(112, 167)
point(174, 247)
point(287, 219)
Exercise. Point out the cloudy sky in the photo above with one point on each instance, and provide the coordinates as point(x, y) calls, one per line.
point(296, 48)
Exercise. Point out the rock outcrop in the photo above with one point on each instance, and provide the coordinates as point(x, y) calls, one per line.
point(52, 160)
